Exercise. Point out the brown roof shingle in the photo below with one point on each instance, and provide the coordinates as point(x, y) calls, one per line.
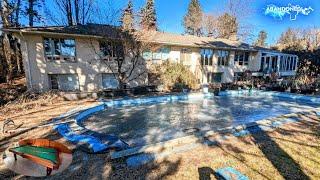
point(114, 32)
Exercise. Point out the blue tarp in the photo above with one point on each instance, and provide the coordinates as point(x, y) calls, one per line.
point(229, 173)
point(92, 143)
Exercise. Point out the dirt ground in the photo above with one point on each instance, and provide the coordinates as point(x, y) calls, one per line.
point(290, 152)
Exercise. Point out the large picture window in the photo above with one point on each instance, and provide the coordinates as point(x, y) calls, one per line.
point(60, 49)
point(159, 54)
point(223, 58)
point(241, 58)
point(111, 50)
point(64, 82)
point(109, 81)
point(206, 57)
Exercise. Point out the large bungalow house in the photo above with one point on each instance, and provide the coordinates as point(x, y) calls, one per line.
point(65, 57)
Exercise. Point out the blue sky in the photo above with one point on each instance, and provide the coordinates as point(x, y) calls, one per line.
point(170, 14)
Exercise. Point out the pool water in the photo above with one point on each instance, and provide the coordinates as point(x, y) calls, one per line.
point(152, 123)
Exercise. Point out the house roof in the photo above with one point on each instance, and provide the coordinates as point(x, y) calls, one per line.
point(114, 32)
point(195, 41)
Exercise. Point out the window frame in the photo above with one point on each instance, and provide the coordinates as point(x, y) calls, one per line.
point(53, 56)
point(242, 58)
point(161, 52)
point(206, 56)
point(77, 88)
point(110, 51)
point(102, 77)
point(223, 57)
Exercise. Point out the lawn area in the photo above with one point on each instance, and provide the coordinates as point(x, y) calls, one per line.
point(289, 152)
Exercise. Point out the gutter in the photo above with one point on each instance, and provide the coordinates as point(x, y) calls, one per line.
point(52, 33)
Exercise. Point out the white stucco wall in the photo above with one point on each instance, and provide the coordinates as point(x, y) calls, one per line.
point(87, 66)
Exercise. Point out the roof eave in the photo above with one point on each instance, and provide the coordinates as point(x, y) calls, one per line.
point(101, 37)
point(50, 33)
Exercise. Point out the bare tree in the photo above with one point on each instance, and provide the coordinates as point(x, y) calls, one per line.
point(123, 55)
point(227, 26)
point(7, 64)
point(71, 12)
point(210, 23)
point(262, 37)
point(241, 10)
point(17, 13)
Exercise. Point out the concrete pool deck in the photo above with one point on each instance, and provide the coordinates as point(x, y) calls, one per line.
point(76, 128)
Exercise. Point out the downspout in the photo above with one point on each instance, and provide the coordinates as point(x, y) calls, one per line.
point(27, 61)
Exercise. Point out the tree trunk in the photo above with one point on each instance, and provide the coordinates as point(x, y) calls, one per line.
point(8, 66)
point(76, 7)
point(69, 13)
point(6, 48)
point(31, 12)
point(83, 16)
point(5, 12)
point(17, 13)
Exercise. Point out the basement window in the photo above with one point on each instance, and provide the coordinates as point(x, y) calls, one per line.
point(64, 82)
point(60, 49)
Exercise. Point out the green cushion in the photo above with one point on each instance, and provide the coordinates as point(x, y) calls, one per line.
point(41, 152)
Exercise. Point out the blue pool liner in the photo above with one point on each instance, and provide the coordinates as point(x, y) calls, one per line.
point(90, 142)
point(225, 173)
point(83, 115)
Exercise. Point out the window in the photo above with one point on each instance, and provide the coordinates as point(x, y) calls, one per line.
point(206, 57)
point(160, 54)
point(288, 64)
point(109, 81)
point(111, 50)
point(64, 82)
point(281, 63)
point(241, 58)
point(294, 64)
point(214, 77)
point(274, 61)
point(262, 64)
point(223, 58)
point(60, 49)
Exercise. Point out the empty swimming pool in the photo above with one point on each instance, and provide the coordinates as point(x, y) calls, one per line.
point(152, 123)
